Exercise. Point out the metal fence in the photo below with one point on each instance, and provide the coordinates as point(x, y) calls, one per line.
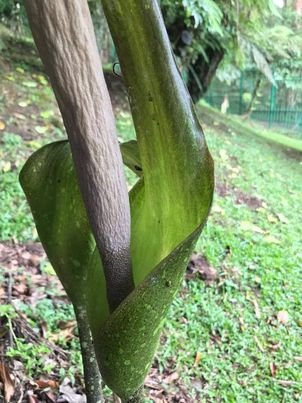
point(278, 105)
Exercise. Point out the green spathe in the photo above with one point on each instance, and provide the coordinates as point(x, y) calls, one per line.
point(50, 184)
point(128, 339)
point(178, 170)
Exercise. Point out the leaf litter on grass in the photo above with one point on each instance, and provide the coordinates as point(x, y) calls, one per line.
point(27, 352)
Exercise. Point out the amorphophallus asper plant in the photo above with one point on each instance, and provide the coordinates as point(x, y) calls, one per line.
point(121, 260)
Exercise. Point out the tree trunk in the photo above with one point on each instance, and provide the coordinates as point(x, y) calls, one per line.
point(254, 96)
point(201, 72)
point(64, 35)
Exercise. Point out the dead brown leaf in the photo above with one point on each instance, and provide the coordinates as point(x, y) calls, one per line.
point(47, 383)
point(69, 394)
point(287, 383)
point(20, 289)
point(32, 399)
point(171, 378)
point(199, 264)
point(241, 323)
point(70, 324)
point(282, 317)
point(66, 332)
point(282, 218)
point(2, 125)
point(273, 369)
point(8, 383)
point(275, 346)
point(197, 358)
point(49, 397)
point(256, 308)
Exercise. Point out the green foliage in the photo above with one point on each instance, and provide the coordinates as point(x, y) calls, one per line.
point(7, 8)
point(32, 357)
point(213, 21)
point(196, 13)
point(12, 13)
point(252, 34)
point(195, 24)
point(287, 57)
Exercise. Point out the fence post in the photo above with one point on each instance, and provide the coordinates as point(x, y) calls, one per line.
point(240, 93)
point(272, 105)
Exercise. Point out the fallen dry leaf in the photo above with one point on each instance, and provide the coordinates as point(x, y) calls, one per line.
point(282, 317)
point(70, 396)
point(275, 346)
point(2, 125)
point(223, 155)
point(272, 219)
point(250, 227)
point(198, 264)
point(171, 378)
point(20, 289)
point(66, 333)
point(287, 383)
point(197, 358)
point(32, 399)
point(241, 323)
point(282, 218)
point(217, 210)
point(8, 384)
point(256, 308)
point(273, 369)
point(49, 397)
point(271, 239)
point(69, 324)
point(50, 383)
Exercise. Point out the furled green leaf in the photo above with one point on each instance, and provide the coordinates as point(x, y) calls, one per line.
point(129, 338)
point(131, 157)
point(178, 170)
point(169, 205)
point(50, 184)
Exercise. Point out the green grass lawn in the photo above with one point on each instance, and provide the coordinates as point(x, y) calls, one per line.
point(225, 340)
point(253, 239)
point(233, 323)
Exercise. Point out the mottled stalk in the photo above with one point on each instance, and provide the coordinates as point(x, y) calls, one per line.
point(138, 397)
point(65, 39)
point(92, 376)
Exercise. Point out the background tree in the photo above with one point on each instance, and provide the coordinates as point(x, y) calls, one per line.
point(208, 34)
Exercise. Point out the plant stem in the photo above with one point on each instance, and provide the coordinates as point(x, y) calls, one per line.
point(92, 376)
point(64, 35)
point(138, 397)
